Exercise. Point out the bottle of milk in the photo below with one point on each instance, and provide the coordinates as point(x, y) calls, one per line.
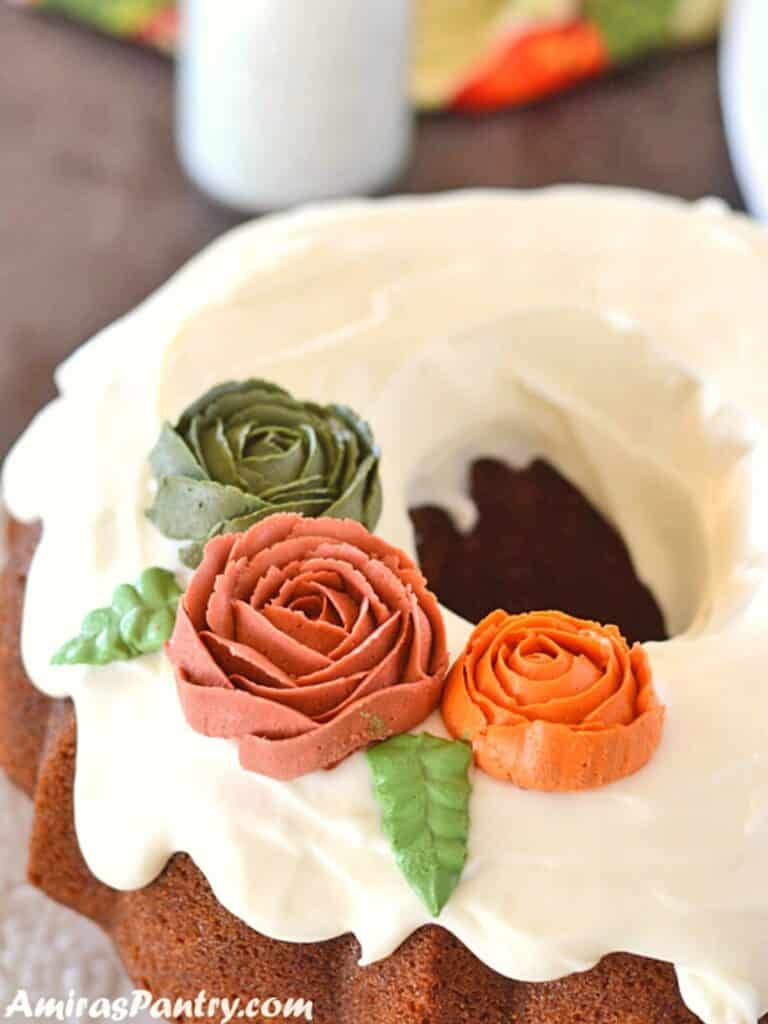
point(283, 101)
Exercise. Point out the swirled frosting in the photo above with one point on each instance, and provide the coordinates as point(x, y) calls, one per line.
point(306, 639)
point(552, 702)
point(245, 451)
point(586, 326)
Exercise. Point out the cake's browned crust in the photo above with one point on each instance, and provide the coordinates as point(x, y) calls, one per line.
point(176, 939)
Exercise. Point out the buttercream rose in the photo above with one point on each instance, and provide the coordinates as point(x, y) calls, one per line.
point(306, 639)
point(245, 451)
point(553, 702)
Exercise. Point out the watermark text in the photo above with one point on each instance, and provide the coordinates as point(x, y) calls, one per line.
point(125, 1008)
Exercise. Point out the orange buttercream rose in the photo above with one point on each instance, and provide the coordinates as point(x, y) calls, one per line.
point(552, 702)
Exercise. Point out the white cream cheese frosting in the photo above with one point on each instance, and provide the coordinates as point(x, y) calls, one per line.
point(619, 335)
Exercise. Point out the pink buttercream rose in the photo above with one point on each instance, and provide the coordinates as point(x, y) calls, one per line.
point(305, 640)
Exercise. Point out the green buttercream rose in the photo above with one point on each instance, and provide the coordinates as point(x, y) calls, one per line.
point(247, 450)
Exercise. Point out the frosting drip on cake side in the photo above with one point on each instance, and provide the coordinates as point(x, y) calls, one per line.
point(574, 324)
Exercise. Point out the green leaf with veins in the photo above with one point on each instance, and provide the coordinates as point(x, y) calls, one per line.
point(422, 785)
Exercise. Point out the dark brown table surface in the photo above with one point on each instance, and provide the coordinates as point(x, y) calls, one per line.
point(95, 213)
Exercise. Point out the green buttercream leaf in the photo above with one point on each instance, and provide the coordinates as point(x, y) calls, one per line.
point(171, 457)
point(98, 643)
point(374, 500)
point(139, 621)
point(631, 28)
point(422, 785)
point(145, 631)
point(187, 509)
point(244, 451)
point(158, 590)
point(355, 502)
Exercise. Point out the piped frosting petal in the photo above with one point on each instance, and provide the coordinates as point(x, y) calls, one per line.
point(305, 640)
point(553, 702)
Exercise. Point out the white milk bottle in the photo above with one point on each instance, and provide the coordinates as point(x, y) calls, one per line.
point(283, 101)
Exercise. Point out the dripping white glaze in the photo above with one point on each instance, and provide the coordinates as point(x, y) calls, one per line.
point(579, 324)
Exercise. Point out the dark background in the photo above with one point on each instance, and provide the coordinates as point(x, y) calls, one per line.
point(95, 213)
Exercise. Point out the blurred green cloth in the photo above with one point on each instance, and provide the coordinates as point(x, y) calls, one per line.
point(476, 54)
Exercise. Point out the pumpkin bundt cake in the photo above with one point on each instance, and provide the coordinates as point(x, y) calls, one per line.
point(383, 618)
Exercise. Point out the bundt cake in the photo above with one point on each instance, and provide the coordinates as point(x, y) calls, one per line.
point(513, 402)
point(176, 939)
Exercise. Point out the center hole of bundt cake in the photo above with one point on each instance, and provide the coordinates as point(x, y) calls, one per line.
point(537, 544)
